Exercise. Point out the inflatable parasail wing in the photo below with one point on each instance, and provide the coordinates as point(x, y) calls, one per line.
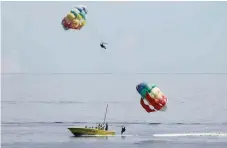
point(155, 98)
point(75, 19)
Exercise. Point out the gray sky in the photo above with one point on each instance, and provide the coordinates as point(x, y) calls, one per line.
point(142, 37)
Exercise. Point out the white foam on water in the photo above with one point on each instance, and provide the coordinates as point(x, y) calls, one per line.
point(191, 134)
point(166, 135)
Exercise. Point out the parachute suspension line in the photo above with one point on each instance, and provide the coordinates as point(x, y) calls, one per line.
point(98, 34)
point(96, 30)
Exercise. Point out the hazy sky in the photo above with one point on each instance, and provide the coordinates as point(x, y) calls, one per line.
point(142, 37)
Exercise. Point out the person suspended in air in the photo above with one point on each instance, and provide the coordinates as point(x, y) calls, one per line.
point(102, 45)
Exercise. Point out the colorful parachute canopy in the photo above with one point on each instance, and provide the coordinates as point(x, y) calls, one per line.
point(153, 95)
point(76, 18)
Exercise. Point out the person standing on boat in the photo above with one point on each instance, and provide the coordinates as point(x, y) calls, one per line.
point(106, 128)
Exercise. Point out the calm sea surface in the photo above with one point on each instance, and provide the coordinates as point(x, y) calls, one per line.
point(38, 109)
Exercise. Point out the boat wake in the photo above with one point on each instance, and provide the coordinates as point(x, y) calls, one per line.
point(213, 134)
point(191, 134)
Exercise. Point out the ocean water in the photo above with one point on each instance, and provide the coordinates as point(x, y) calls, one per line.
point(37, 109)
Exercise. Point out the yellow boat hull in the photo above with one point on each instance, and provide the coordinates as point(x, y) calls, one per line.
point(76, 131)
